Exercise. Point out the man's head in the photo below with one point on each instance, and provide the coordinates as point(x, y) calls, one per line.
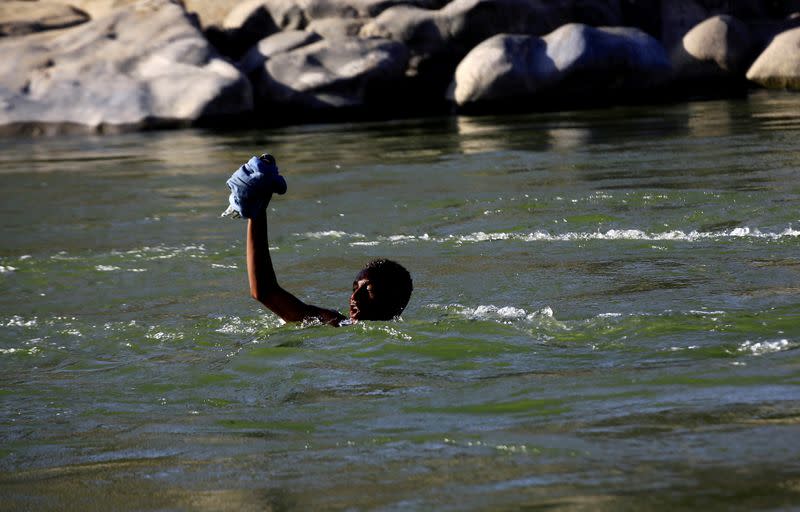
point(380, 291)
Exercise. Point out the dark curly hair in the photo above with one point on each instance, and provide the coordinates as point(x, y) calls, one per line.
point(394, 283)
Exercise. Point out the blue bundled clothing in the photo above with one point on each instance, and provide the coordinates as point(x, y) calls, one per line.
point(252, 186)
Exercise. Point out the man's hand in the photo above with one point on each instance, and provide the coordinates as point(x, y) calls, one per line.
point(252, 186)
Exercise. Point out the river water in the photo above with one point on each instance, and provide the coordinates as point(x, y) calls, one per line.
point(606, 316)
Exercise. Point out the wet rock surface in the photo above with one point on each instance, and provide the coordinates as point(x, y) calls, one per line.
point(327, 75)
point(134, 68)
point(573, 61)
point(95, 65)
point(778, 67)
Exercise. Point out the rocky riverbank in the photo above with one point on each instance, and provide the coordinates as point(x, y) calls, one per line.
point(116, 65)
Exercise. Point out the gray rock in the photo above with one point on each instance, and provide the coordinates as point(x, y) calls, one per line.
point(328, 75)
point(439, 39)
point(245, 25)
point(97, 8)
point(717, 50)
point(210, 13)
point(765, 30)
point(336, 28)
point(571, 64)
point(293, 13)
point(281, 42)
point(778, 67)
point(21, 18)
point(252, 20)
point(678, 17)
point(141, 66)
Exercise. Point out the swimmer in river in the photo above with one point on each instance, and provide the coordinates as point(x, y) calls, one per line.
point(381, 289)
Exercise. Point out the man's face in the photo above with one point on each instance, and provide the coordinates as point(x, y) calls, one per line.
point(363, 303)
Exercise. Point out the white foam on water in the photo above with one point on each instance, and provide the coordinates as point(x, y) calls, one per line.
point(63, 256)
point(509, 312)
point(765, 347)
point(239, 326)
point(29, 351)
point(155, 334)
point(114, 268)
point(705, 313)
point(163, 252)
point(219, 265)
point(235, 325)
point(546, 236)
point(18, 321)
point(678, 349)
point(492, 312)
point(7, 269)
point(405, 238)
point(387, 329)
point(546, 311)
point(330, 234)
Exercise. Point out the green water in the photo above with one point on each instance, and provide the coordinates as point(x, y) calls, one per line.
point(606, 316)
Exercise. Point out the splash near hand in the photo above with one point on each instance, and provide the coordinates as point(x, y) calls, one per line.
point(252, 186)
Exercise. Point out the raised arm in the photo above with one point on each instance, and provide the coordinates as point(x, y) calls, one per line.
point(264, 285)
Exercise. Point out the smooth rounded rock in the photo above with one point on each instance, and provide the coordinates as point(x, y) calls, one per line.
point(679, 17)
point(720, 48)
point(336, 28)
point(210, 13)
point(572, 64)
point(21, 18)
point(329, 75)
point(244, 26)
point(156, 69)
point(439, 39)
point(778, 66)
point(281, 42)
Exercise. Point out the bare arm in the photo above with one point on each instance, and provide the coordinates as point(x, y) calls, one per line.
point(264, 285)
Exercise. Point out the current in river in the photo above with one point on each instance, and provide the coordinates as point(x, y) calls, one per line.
point(606, 316)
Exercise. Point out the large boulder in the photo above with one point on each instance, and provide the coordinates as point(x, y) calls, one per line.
point(298, 13)
point(439, 39)
point(141, 66)
point(336, 28)
point(765, 30)
point(246, 24)
point(252, 20)
point(716, 53)
point(327, 77)
point(678, 17)
point(574, 65)
point(253, 61)
point(210, 13)
point(778, 67)
point(20, 18)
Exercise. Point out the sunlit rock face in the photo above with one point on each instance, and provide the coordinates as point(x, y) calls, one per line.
point(778, 67)
point(439, 39)
point(249, 21)
point(143, 65)
point(347, 73)
point(19, 18)
point(571, 63)
point(718, 49)
point(110, 65)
